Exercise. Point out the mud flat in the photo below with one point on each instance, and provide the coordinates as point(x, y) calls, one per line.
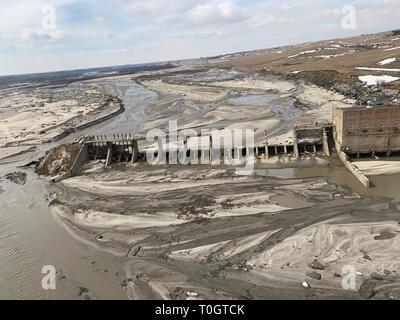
point(205, 232)
point(200, 232)
point(31, 116)
point(13, 151)
point(259, 102)
point(221, 236)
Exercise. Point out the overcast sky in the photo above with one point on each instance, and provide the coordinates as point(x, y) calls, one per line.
point(94, 33)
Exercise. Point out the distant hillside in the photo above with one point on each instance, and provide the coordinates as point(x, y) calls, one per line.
point(355, 66)
point(65, 77)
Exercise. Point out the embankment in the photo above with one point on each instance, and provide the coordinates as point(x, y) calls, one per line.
point(91, 123)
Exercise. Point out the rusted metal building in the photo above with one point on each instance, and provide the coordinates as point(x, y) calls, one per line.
point(367, 130)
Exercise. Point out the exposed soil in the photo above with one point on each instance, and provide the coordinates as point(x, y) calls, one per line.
point(58, 160)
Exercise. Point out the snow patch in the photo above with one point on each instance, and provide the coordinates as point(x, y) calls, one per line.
point(378, 69)
point(391, 49)
point(325, 56)
point(374, 80)
point(304, 52)
point(328, 56)
point(387, 61)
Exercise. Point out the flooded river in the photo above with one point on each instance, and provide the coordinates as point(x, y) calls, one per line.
point(30, 237)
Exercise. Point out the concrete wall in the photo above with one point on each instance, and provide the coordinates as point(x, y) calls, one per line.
point(325, 144)
point(353, 170)
point(135, 152)
point(110, 155)
point(80, 160)
point(338, 123)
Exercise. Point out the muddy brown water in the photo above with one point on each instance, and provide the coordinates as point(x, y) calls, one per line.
point(31, 238)
point(386, 186)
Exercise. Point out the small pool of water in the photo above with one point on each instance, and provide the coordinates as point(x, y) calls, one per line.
point(383, 186)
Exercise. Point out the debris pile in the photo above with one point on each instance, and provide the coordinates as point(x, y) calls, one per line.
point(58, 160)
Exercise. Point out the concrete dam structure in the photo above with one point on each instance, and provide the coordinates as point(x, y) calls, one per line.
point(124, 148)
point(116, 148)
point(112, 149)
point(317, 138)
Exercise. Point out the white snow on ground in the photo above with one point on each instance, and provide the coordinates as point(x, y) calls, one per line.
point(378, 69)
point(334, 55)
point(325, 56)
point(387, 61)
point(374, 80)
point(304, 52)
point(391, 49)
